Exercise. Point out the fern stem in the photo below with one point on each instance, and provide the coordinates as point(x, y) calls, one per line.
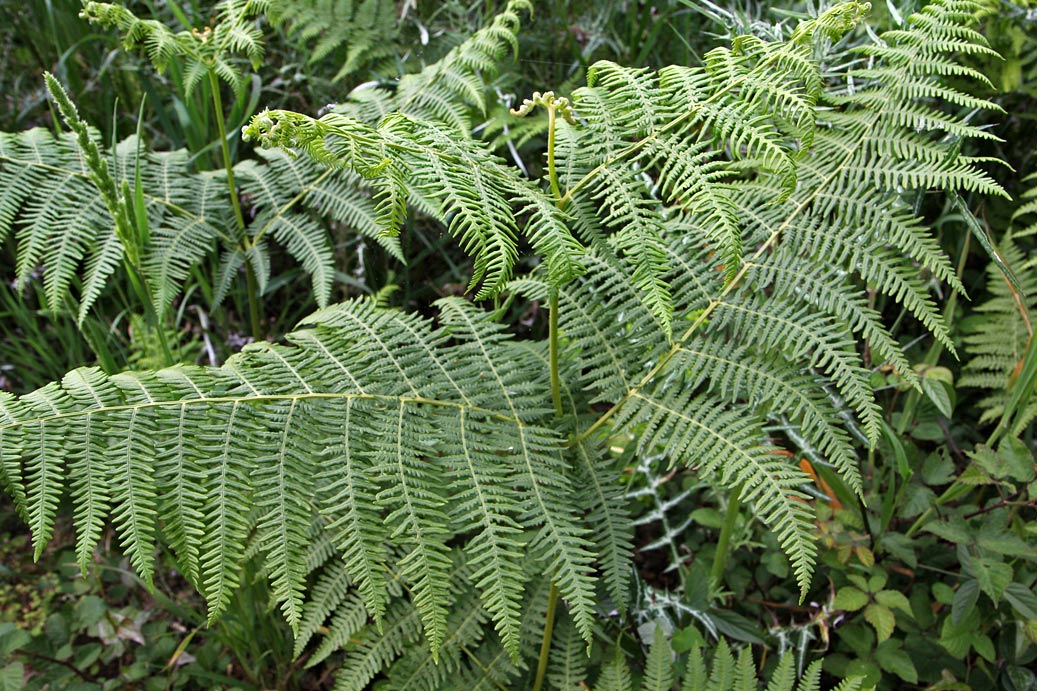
point(239, 217)
point(734, 507)
point(552, 173)
point(556, 383)
point(221, 126)
point(556, 398)
point(545, 645)
point(252, 286)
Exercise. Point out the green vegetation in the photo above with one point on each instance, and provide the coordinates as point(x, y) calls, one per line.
point(521, 346)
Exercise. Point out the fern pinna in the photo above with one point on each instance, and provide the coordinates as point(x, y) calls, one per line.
point(708, 236)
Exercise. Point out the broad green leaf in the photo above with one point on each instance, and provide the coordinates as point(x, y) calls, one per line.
point(850, 599)
point(982, 644)
point(964, 600)
point(893, 659)
point(894, 599)
point(12, 677)
point(882, 618)
point(993, 576)
point(1022, 599)
point(936, 391)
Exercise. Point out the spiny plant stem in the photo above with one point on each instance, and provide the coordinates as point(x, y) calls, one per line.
point(545, 645)
point(232, 188)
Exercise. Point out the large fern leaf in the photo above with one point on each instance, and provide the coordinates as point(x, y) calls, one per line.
point(270, 410)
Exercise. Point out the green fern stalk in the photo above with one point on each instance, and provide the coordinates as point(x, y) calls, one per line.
point(232, 191)
point(723, 549)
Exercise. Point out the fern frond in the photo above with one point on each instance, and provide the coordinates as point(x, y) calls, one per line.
point(763, 320)
point(728, 445)
point(198, 51)
point(358, 35)
point(559, 542)
point(784, 676)
point(474, 189)
point(490, 665)
point(811, 680)
point(47, 179)
point(568, 660)
point(1027, 208)
point(997, 333)
point(738, 374)
point(637, 238)
point(615, 675)
point(449, 90)
point(424, 670)
point(376, 650)
point(659, 664)
point(268, 409)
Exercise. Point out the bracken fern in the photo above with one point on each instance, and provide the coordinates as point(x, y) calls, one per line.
point(708, 237)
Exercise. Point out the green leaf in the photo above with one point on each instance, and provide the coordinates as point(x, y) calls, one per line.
point(1001, 540)
point(953, 531)
point(882, 619)
point(685, 639)
point(894, 599)
point(957, 637)
point(1011, 460)
point(938, 469)
point(12, 638)
point(893, 659)
point(1018, 459)
point(900, 546)
point(12, 677)
point(850, 599)
point(964, 600)
point(877, 581)
point(1022, 599)
point(936, 391)
point(984, 646)
point(993, 576)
